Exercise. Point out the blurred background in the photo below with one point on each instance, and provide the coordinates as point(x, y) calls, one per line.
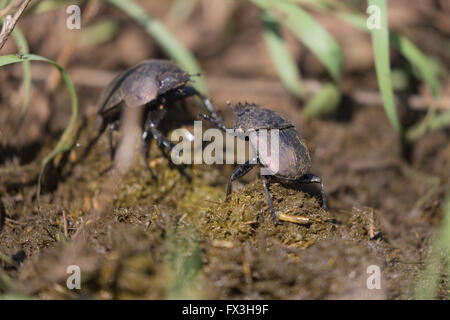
point(372, 105)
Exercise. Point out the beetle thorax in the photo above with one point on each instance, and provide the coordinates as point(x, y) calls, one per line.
point(137, 91)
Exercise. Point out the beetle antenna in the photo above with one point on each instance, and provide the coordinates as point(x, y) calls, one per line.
point(193, 75)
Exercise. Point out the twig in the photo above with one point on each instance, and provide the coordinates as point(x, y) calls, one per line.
point(11, 221)
point(66, 233)
point(298, 219)
point(7, 9)
point(11, 21)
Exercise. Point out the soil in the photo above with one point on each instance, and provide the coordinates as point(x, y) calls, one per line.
point(380, 214)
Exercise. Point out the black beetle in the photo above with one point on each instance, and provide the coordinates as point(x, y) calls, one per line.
point(294, 161)
point(153, 85)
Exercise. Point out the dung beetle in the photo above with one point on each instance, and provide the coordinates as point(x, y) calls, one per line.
point(293, 162)
point(153, 85)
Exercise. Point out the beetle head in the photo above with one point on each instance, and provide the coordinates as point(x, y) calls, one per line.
point(242, 125)
point(239, 108)
point(171, 80)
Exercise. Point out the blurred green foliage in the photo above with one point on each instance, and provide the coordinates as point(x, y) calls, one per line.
point(168, 42)
point(64, 142)
point(438, 261)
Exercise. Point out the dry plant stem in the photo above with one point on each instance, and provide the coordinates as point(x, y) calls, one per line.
point(295, 219)
point(11, 21)
point(63, 59)
point(66, 232)
point(7, 9)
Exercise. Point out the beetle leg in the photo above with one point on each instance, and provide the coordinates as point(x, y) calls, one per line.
point(162, 140)
point(145, 149)
point(241, 171)
point(188, 91)
point(151, 126)
point(265, 184)
point(215, 122)
point(312, 178)
point(208, 104)
point(152, 120)
point(165, 143)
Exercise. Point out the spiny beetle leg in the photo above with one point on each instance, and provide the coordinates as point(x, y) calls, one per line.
point(312, 178)
point(265, 184)
point(215, 122)
point(146, 139)
point(166, 147)
point(241, 171)
point(152, 120)
point(188, 91)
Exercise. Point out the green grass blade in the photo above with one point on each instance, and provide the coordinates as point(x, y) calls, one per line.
point(49, 5)
point(183, 267)
point(427, 72)
point(310, 32)
point(424, 65)
point(7, 260)
point(64, 142)
point(281, 57)
point(181, 10)
point(4, 3)
point(426, 288)
point(428, 285)
point(99, 32)
point(445, 238)
point(432, 122)
point(380, 42)
point(325, 102)
point(170, 44)
point(5, 281)
point(358, 21)
point(22, 43)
